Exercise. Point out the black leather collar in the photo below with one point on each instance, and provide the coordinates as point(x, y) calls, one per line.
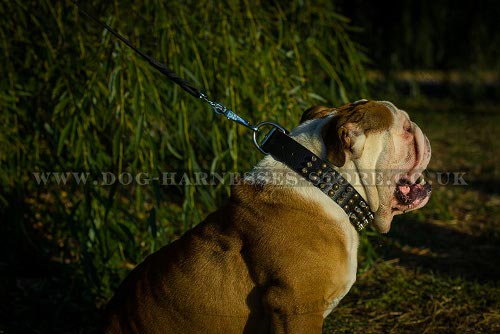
point(321, 174)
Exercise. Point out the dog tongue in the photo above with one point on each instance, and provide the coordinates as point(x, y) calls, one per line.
point(404, 189)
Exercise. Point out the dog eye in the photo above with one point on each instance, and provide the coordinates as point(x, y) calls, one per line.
point(407, 127)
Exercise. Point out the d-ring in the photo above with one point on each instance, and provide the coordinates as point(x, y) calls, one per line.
point(256, 130)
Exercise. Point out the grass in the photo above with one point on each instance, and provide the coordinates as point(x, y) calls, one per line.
point(74, 99)
point(393, 298)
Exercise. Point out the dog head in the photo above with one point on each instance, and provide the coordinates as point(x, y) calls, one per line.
point(379, 144)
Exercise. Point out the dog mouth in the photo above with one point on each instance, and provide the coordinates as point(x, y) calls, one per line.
point(410, 196)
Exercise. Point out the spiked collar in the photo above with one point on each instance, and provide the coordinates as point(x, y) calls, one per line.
point(321, 174)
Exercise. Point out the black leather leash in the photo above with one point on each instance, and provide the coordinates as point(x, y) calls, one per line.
point(277, 143)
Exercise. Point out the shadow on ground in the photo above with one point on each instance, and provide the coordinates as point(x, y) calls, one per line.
point(491, 187)
point(442, 250)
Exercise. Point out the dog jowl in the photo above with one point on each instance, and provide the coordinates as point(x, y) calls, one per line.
point(278, 257)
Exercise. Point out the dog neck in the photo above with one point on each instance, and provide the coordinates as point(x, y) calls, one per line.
point(303, 155)
point(309, 135)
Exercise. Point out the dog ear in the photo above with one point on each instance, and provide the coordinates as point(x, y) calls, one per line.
point(316, 112)
point(344, 136)
point(339, 138)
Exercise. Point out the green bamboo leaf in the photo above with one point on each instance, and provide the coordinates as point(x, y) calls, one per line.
point(317, 97)
point(62, 137)
point(151, 221)
point(113, 83)
point(116, 144)
point(138, 132)
point(62, 105)
point(126, 232)
point(173, 151)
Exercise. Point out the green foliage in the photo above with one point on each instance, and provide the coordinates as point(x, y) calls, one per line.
point(73, 98)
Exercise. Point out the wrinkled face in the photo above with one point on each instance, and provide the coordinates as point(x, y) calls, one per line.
point(404, 159)
point(379, 140)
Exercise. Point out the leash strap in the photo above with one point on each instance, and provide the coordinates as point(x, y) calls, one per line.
point(321, 174)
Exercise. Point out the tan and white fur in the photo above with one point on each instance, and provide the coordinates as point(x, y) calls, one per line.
point(277, 258)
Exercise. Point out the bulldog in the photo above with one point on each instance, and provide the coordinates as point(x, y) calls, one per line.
point(279, 257)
